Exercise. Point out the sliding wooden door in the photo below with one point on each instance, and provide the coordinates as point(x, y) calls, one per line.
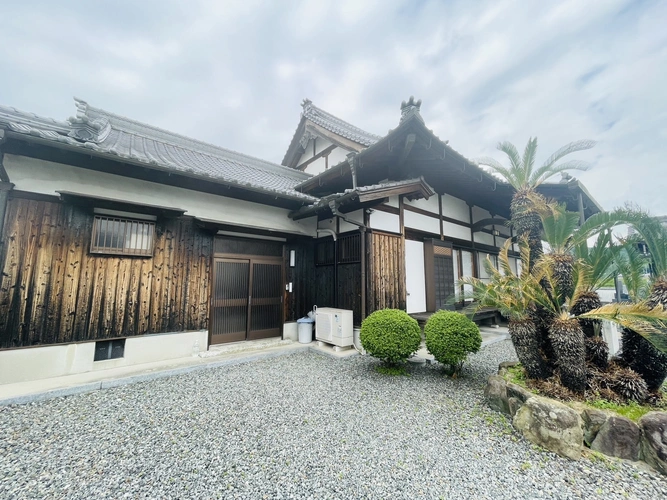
point(246, 299)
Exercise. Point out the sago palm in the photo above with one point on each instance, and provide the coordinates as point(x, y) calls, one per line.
point(524, 177)
point(638, 353)
point(508, 292)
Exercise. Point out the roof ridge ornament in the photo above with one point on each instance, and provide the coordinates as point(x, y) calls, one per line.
point(409, 108)
point(84, 127)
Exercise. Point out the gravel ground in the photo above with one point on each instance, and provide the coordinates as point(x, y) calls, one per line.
point(300, 426)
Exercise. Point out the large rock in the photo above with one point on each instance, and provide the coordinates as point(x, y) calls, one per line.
point(618, 437)
point(654, 439)
point(552, 425)
point(496, 394)
point(593, 422)
point(516, 391)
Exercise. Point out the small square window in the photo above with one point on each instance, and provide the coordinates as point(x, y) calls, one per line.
point(112, 235)
point(109, 349)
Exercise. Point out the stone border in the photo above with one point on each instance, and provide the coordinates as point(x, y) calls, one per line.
point(568, 429)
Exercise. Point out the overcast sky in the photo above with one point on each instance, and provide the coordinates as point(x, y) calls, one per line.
point(235, 73)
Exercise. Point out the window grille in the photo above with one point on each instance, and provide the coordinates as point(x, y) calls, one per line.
point(324, 252)
point(349, 249)
point(112, 235)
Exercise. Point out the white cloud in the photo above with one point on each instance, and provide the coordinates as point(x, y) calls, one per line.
point(234, 72)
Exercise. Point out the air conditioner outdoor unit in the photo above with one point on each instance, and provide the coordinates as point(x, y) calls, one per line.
point(334, 326)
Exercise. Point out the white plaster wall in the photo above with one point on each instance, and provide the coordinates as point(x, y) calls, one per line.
point(455, 231)
point(318, 166)
point(338, 155)
point(326, 224)
point(455, 208)
point(385, 221)
point(430, 205)
point(393, 201)
point(38, 176)
point(357, 216)
point(479, 214)
point(36, 363)
point(485, 238)
point(421, 222)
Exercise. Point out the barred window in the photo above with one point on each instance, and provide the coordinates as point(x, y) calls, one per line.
point(112, 235)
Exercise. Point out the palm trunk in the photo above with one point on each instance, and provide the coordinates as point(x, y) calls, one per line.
point(567, 339)
point(639, 354)
point(528, 224)
point(586, 302)
point(523, 333)
point(563, 269)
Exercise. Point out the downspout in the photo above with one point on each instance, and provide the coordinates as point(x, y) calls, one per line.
point(352, 161)
point(362, 229)
point(5, 188)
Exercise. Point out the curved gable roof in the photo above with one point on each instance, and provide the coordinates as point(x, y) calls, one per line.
point(330, 123)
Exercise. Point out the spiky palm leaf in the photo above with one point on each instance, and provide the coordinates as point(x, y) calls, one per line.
point(649, 322)
point(524, 178)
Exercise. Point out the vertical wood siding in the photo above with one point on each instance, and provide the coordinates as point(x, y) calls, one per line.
point(53, 290)
point(315, 285)
point(386, 272)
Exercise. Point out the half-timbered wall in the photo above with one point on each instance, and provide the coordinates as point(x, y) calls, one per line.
point(54, 290)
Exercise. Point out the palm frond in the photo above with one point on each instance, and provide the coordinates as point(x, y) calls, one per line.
point(650, 323)
point(500, 169)
point(516, 165)
point(529, 153)
point(558, 228)
point(544, 173)
point(570, 148)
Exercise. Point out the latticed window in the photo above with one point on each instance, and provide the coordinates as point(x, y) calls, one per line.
point(112, 235)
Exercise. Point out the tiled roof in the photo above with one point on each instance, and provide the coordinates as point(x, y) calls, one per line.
point(337, 126)
point(111, 134)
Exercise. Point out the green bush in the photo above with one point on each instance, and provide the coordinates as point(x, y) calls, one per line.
point(390, 335)
point(450, 337)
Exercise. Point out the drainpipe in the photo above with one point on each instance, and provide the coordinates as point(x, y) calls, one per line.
point(5, 188)
point(362, 229)
point(352, 161)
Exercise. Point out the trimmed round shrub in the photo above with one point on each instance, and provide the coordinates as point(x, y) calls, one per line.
point(390, 335)
point(450, 337)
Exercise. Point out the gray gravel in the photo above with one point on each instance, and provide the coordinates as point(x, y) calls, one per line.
point(300, 426)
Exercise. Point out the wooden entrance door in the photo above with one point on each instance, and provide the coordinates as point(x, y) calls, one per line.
point(246, 299)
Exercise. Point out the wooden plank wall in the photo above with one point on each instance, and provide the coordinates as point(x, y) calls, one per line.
point(314, 285)
point(54, 291)
point(386, 272)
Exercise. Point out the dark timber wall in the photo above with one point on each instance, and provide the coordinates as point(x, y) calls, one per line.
point(53, 290)
point(316, 284)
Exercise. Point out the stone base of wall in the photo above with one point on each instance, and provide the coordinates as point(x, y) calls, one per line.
point(569, 429)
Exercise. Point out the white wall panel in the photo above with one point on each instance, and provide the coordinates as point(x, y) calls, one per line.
point(393, 201)
point(479, 214)
point(455, 231)
point(384, 221)
point(357, 216)
point(430, 205)
point(421, 222)
point(38, 176)
point(455, 208)
point(484, 238)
